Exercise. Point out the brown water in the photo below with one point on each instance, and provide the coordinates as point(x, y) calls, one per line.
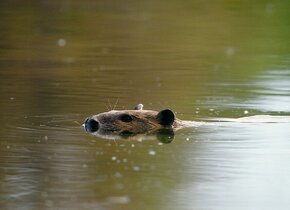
point(61, 61)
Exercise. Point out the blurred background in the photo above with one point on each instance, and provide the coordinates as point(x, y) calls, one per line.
point(62, 61)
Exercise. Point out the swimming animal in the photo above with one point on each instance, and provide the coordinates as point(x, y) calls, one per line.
point(140, 121)
point(133, 121)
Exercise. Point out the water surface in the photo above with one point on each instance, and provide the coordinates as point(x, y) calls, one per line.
point(62, 61)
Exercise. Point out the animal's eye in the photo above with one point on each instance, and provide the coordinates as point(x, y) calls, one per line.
point(126, 118)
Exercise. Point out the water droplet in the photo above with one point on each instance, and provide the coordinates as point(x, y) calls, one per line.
point(136, 168)
point(119, 199)
point(61, 42)
point(118, 175)
point(151, 152)
point(230, 51)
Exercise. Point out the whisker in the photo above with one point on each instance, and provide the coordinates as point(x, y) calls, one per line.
point(77, 123)
point(109, 103)
point(108, 109)
point(115, 142)
point(115, 105)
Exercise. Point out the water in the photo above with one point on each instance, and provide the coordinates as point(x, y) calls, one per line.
point(62, 61)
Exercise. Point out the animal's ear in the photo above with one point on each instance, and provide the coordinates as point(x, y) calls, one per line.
point(138, 107)
point(166, 117)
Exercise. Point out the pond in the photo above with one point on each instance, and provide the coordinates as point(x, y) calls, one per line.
point(62, 61)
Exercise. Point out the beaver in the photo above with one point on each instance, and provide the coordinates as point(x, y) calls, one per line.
point(133, 121)
point(140, 121)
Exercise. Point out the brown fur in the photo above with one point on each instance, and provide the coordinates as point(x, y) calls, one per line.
point(132, 121)
point(139, 121)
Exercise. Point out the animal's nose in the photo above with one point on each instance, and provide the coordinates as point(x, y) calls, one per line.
point(91, 125)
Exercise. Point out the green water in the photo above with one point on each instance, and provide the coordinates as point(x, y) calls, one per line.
point(62, 61)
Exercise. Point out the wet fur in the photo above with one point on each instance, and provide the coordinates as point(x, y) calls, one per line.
point(139, 121)
point(143, 121)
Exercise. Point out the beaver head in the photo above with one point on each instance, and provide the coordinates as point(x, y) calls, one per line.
point(134, 121)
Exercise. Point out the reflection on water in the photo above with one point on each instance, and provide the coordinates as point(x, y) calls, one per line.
point(238, 165)
point(163, 135)
point(267, 93)
point(61, 61)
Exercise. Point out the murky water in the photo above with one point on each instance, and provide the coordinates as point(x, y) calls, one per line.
point(61, 61)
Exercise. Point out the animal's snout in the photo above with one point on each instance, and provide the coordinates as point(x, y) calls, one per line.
point(91, 125)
